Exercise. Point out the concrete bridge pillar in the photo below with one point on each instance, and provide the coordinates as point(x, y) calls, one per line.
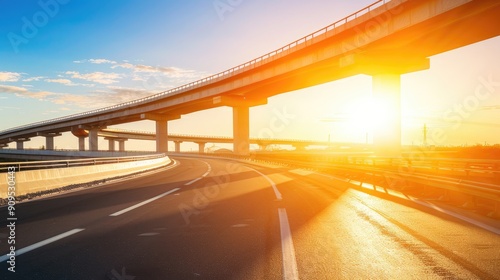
point(82, 131)
point(387, 127)
point(111, 144)
point(162, 136)
point(241, 130)
point(49, 139)
point(201, 147)
point(161, 129)
point(177, 146)
point(49, 143)
point(241, 119)
point(81, 143)
point(20, 142)
point(93, 139)
point(386, 71)
point(121, 144)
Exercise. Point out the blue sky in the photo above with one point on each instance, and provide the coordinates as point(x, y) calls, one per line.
point(59, 57)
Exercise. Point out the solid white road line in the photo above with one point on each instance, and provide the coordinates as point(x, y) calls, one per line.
point(42, 243)
point(276, 191)
point(290, 271)
point(193, 181)
point(144, 202)
point(202, 176)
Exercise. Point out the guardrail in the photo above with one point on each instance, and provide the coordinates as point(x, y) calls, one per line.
point(266, 58)
point(49, 164)
point(460, 167)
point(409, 176)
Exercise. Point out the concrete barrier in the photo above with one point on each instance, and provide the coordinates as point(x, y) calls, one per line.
point(32, 181)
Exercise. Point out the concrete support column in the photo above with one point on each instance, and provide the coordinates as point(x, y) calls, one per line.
point(93, 139)
point(121, 144)
point(81, 133)
point(241, 130)
point(81, 143)
point(177, 146)
point(161, 129)
point(49, 139)
point(49, 143)
point(20, 145)
point(201, 147)
point(387, 126)
point(20, 142)
point(111, 144)
point(161, 136)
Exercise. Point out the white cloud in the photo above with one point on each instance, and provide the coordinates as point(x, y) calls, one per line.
point(9, 76)
point(33, 79)
point(146, 68)
point(112, 95)
point(96, 77)
point(11, 89)
point(80, 100)
point(67, 82)
point(61, 81)
point(95, 61)
point(141, 68)
point(101, 61)
point(23, 92)
point(123, 65)
point(102, 98)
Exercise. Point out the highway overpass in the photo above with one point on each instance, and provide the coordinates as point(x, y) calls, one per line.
point(385, 40)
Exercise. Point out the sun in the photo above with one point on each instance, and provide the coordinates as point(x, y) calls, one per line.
point(369, 115)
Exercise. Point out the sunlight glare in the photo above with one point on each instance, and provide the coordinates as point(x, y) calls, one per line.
point(368, 114)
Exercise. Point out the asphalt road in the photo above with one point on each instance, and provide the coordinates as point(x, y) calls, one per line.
point(217, 219)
